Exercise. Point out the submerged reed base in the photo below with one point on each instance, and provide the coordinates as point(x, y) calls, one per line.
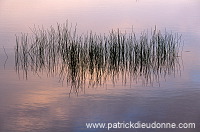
point(91, 59)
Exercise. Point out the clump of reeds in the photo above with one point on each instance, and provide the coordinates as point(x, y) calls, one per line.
point(91, 59)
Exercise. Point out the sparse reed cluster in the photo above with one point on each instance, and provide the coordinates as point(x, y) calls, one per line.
point(91, 59)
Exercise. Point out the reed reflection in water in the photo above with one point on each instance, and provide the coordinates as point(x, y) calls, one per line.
point(90, 60)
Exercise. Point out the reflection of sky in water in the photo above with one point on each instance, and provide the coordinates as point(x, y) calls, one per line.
point(15, 15)
point(42, 112)
point(48, 108)
point(43, 105)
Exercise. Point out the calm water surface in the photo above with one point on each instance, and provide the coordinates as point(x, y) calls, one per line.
point(42, 104)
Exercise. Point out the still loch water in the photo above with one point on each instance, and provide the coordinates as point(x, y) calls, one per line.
point(42, 103)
